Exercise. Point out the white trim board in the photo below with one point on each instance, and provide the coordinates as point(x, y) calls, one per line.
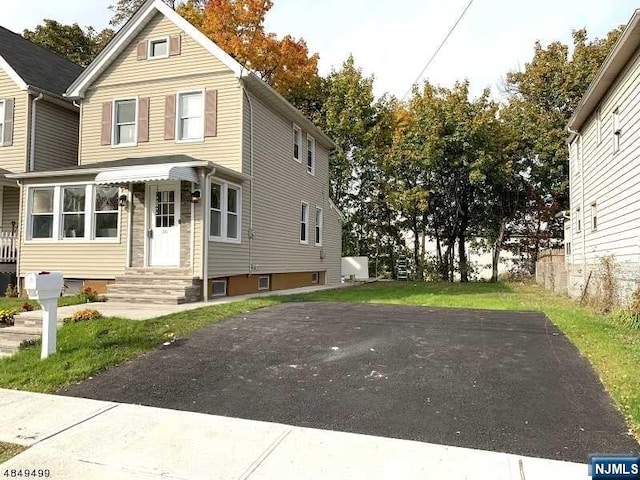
point(8, 69)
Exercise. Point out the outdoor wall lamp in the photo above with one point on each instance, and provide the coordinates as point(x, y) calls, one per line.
point(122, 200)
point(195, 196)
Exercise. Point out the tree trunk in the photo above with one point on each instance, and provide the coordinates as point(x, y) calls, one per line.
point(416, 248)
point(462, 255)
point(497, 248)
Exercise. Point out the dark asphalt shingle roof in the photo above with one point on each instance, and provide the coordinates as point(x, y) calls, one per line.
point(36, 65)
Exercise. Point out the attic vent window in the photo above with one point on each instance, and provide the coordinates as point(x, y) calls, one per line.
point(159, 48)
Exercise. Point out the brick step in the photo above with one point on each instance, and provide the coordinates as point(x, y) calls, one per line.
point(143, 298)
point(151, 272)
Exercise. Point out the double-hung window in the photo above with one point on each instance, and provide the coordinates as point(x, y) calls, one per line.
point(319, 226)
point(594, 217)
point(304, 223)
point(41, 215)
point(616, 130)
point(225, 212)
point(82, 212)
point(297, 143)
point(105, 223)
point(311, 155)
point(124, 116)
point(190, 120)
point(73, 211)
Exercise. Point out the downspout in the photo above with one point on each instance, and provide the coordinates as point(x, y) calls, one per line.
point(584, 227)
point(19, 237)
point(251, 231)
point(79, 107)
point(205, 185)
point(32, 151)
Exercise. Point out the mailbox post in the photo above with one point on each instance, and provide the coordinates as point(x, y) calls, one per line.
point(46, 287)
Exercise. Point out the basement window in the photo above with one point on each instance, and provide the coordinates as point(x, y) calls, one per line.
point(263, 283)
point(315, 276)
point(218, 288)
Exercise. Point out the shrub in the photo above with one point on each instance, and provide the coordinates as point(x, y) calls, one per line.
point(7, 317)
point(11, 291)
point(88, 295)
point(84, 315)
point(27, 307)
point(28, 343)
point(630, 316)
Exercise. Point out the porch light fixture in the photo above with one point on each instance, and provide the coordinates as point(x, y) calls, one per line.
point(195, 196)
point(122, 200)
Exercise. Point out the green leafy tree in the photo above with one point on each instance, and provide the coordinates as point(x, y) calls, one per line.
point(72, 42)
point(542, 98)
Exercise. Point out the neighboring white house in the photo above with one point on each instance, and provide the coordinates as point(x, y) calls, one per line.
point(604, 143)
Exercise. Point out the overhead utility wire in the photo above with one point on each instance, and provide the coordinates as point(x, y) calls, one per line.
point(435, 54)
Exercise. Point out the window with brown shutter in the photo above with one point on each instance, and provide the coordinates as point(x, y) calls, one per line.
point(211, 113)
point(6, 133)
point(105, 137)
point(175, 45)
point(143, 119)
point(170, 117)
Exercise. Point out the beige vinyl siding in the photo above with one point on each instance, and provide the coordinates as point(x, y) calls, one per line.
point(14, 158)
point(76, 259)
point(333, 248)
point(10, 207)
point(56, 142)
point(195, 68)
point(280, 185)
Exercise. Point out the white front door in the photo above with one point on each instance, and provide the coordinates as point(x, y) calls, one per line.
point(164, 224)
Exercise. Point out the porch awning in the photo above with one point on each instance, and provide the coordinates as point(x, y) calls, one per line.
point(147, 173)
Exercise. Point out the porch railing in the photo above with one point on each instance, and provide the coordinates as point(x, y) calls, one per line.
point(8, 247)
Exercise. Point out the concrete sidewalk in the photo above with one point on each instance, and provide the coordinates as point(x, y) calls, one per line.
point(76, 438)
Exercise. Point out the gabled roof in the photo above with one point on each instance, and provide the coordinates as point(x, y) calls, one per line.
point(139, 21)
point(614, 64)
point(30, 65)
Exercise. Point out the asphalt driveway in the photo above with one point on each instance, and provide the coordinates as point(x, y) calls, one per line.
point(502, 381)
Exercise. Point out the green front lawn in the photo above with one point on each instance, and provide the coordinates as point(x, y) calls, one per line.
point(88, 347)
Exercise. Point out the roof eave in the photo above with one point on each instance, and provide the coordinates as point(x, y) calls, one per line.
point(616, 61)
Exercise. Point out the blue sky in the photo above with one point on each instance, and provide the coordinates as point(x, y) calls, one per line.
point(393, 39)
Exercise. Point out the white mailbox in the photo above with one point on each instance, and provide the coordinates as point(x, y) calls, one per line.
point(46, 287)
point(43, 285)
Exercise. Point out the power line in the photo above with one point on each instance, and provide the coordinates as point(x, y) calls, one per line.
point(435, 54)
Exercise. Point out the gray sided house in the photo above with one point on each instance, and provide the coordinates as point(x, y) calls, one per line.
point(604, 162)
point(194, 178)
point(38, 127)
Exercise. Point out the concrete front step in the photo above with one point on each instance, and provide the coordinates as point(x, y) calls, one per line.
point(146, 298)
point(160, 279)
